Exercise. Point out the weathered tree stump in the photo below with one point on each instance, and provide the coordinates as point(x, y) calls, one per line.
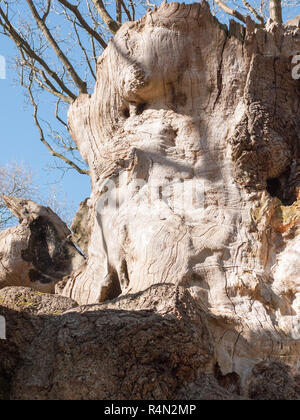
point(192, 137)
point(38, 253)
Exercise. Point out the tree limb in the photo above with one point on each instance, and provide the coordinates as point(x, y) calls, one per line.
point(112, 25)
point(119, 11)
point(45, 30)
point(82, 21)
point(126, 10)
point(23, 44)
point(42, 137)
point(84, 52)
point(254, 12)
point(49, 86)
point(275, 10)
point(230, 11)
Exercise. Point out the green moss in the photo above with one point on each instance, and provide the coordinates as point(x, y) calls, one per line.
point(57, 313)
point(26, 303)
point(36, 292)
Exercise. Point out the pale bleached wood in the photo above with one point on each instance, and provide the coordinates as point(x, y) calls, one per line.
point(37, 253)
point(179, 100)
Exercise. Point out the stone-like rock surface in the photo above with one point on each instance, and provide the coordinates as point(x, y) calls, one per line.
point(206, 387)
point(30, 301)
point(272, 381)
point(38, 253)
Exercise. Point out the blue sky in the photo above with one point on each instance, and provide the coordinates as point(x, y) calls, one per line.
point(20, 140)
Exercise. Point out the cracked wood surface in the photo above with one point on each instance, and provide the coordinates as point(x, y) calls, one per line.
point(192, 137)
point(181, 100)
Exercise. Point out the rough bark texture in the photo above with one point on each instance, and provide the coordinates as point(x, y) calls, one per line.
point(81, 227)
point(179, 99)
point(38, 253)
point(192, 137)
point(275, 8)
point(154, 344)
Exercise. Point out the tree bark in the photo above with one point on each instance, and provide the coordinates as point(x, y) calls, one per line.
point(276, 11)
point(39, 252)
point(192, 135)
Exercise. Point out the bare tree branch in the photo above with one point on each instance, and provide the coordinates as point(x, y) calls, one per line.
point(119, 11)
point(112, 25)
point(58, 117)
point(254, 12)
point(46, 14)
point(42, 137)
point(23, 44)
point(230, 11)
point(126, 10)
point(84, 52)
point(67, 64)
point(132, 9)
point(83, 22)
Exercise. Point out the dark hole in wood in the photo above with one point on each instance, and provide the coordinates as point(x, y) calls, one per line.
point(231, 381)
point(279, 187)
point(140, 108)
point(114, 289)
point(126, 113)
point(273, 187)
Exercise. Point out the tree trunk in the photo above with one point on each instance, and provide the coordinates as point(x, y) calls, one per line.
point(276, 11)
point(192, 137)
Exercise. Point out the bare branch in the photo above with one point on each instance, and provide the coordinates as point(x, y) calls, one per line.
point(126, 10)
point(21, 43)
point(46, 14)
point(49, 86)
point(230, 11)
point(132, 9)
point(42, 137)
point(112, 25)
point(261, 11)
point(83, 22)
point(254, 12)
point(45, 30)
point(58, 117)
point(119, 11)
point(94, 52)
point(84, 52)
